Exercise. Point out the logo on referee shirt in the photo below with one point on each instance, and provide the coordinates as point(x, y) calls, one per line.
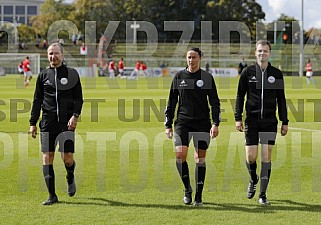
point(47, 82)
point(199, 83)
point(64, 81)
point(183, 84)
point(271, 79)
point(253, 79)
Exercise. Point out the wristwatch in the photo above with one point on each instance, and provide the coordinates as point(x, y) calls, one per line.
point(75, 115)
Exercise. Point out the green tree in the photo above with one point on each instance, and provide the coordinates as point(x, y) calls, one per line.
point(285, 25)
point(157, 12)
point(292, 26)
point(181, 10)
point(246, 11)
point(50, 12)
point(26, 33)
point(91, 10)
point(129, 10)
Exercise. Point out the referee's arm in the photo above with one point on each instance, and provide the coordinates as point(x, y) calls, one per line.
point(171, 106)
point(281, 101)
point(215, 104)
point(37, 102)
point(241, 92)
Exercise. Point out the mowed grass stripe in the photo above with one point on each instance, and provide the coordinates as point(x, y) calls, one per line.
point(124, 180)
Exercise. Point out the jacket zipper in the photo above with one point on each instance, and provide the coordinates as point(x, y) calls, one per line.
point(56, 94)
point(262, 92)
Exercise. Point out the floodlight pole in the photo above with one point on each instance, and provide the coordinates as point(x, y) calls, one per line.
point(301, 42)
point(275, 32)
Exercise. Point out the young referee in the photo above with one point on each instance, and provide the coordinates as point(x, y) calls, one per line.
point(264, 87)
point(193, 90)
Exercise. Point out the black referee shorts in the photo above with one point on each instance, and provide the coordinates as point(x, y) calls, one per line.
point(261, 131)
point(200, 132)
point(54, 133)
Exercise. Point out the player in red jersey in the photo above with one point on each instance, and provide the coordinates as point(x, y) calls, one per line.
point(121, 67)
point(136, 70)
point(111, 69)
point(27, 71)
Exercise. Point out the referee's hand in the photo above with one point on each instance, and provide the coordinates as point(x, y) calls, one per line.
point(239, 126)
point(214, 131)
point(33, 131)
point(284, 130)
point(72, 123)
point(169, 133)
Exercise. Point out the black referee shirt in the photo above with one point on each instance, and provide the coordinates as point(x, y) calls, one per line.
point(264, 91)
point(58, 92)
point(194, 93)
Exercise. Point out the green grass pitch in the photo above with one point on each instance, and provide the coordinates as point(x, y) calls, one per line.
point(126, 171)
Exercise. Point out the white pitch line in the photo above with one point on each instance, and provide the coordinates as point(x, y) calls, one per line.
point(297, 128)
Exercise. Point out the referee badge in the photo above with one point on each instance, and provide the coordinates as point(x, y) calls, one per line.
point(64, 81)
point(199, 83)
point(271, 79)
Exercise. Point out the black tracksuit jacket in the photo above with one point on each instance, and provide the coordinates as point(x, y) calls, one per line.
point(58, 93)
point(265, 92)
point(193, 92)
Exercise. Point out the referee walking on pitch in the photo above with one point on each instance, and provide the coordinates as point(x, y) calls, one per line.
point(193, 90)
point(59, 94)
point(264, 86)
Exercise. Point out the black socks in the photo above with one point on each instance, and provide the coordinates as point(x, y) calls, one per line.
point(265, 177)
point(184, 174)
point(200, 171)
point(70, 172)
point(252, 171)
point(49, 175)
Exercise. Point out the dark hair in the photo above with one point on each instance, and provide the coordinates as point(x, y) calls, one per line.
point(263, 42)
point(200, 53)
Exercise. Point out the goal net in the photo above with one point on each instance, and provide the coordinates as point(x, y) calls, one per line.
point(9, 62)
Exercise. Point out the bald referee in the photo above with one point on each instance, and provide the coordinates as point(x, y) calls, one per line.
point(58, 94)
point(193, 90)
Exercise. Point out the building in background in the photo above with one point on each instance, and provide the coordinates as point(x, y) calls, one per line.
point(19, 11)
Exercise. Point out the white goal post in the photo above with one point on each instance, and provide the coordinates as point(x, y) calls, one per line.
point(9, 62)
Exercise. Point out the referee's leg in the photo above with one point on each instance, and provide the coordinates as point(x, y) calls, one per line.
point(70, 164)
point(183, 170)
point(181, 141)
point(49, 176)
point(67, 149)
point(266, 152)
point(251, 131)
point(200, 172)
point(201, 140)
point(267, 140)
